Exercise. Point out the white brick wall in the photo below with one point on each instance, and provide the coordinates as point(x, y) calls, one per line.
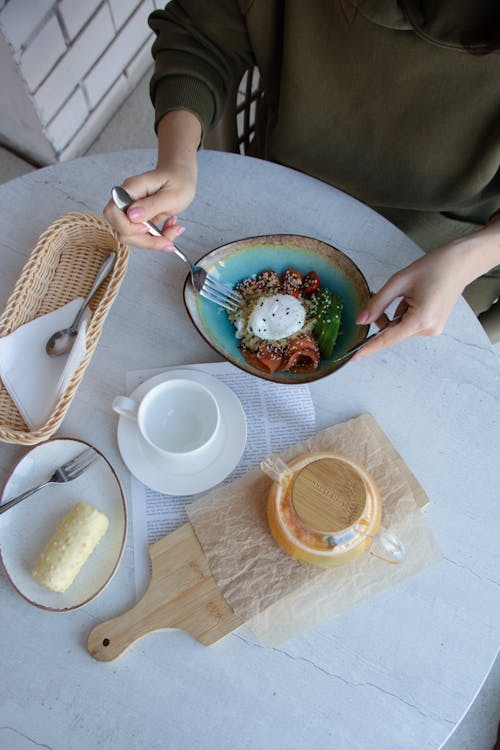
point(75, 14)
point(76, 61)
point(42, 54)
point(75, 64)
point(19, 20)
point(133, 37)
point(68, 120)
point(121, 10)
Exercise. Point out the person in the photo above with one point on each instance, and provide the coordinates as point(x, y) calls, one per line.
point(396, 102)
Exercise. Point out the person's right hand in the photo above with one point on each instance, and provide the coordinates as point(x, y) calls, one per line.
point(159, 195)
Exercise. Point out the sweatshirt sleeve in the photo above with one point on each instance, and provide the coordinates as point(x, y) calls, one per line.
point(200, 53)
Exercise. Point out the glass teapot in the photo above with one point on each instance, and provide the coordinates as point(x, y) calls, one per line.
point(325, 509)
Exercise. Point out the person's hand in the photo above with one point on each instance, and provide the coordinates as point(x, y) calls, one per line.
point(160, 194)
point(428, 289)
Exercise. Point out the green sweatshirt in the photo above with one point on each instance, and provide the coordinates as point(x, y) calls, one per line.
point(384, 104)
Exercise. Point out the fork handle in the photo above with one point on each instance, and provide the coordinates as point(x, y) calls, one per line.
point(123, 200)
point(19, 498)
point(359, 346)
point(153, 229)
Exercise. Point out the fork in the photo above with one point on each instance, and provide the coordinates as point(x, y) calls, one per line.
point(359, 346)
point(205, 284)
point(70, 470)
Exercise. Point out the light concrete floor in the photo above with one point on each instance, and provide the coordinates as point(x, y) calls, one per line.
point(132, 127)
point(12, 166)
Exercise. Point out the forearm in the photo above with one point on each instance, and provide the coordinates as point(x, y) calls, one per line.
point(479, 252)
point(491, 236)
point(179, 134)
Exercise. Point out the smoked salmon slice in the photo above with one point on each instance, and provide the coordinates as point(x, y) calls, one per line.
point(266, 357)
point(301, 355)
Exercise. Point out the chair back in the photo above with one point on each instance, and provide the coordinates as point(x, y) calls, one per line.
point(236, 128)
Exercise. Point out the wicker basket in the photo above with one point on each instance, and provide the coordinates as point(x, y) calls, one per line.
point(62, 266)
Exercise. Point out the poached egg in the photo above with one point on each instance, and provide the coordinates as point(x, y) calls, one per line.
point(276, 317)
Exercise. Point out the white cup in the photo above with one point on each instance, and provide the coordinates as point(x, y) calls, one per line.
point(180, 419)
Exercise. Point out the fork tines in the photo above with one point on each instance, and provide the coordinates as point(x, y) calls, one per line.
point(82, 461)
point(220, 293)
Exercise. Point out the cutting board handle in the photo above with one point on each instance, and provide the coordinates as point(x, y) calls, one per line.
point(110, 639)
point(182, 594)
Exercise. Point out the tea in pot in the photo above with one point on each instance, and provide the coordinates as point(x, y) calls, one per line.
point(325, 509)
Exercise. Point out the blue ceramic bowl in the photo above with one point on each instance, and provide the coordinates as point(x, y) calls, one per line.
point(236, 261)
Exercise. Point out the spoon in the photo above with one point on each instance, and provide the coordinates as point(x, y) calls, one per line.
point(62, 341)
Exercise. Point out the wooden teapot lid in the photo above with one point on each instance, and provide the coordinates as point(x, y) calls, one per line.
point(328, 495)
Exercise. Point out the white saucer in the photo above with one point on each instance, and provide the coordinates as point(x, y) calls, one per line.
point(153, 471)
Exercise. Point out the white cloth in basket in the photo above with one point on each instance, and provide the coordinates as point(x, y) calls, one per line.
point(34, 380)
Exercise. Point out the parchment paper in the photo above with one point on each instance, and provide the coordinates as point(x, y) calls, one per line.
point(279, 597)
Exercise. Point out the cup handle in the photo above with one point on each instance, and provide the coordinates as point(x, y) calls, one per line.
point(274, 466)
point(125, 407)
point(387, 546)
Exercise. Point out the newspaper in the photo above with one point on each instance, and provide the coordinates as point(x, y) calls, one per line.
point(277, 417)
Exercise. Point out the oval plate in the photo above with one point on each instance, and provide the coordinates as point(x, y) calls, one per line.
point(236, 261)
point(26, 528)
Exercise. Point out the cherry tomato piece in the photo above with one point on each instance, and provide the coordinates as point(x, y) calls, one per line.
point(311, 282)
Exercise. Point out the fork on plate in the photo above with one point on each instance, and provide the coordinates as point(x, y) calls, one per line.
point(70, 470)
point(205, 284)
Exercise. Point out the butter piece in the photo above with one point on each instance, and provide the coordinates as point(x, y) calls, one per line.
point(69, 547)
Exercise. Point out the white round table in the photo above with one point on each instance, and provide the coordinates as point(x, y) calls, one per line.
point(396, 672)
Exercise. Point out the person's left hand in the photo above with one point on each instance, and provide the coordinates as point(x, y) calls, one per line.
point(429, 288)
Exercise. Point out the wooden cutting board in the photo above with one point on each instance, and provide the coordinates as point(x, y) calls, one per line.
point(182, 594)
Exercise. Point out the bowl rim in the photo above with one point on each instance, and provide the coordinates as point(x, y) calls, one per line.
point(285, 378)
